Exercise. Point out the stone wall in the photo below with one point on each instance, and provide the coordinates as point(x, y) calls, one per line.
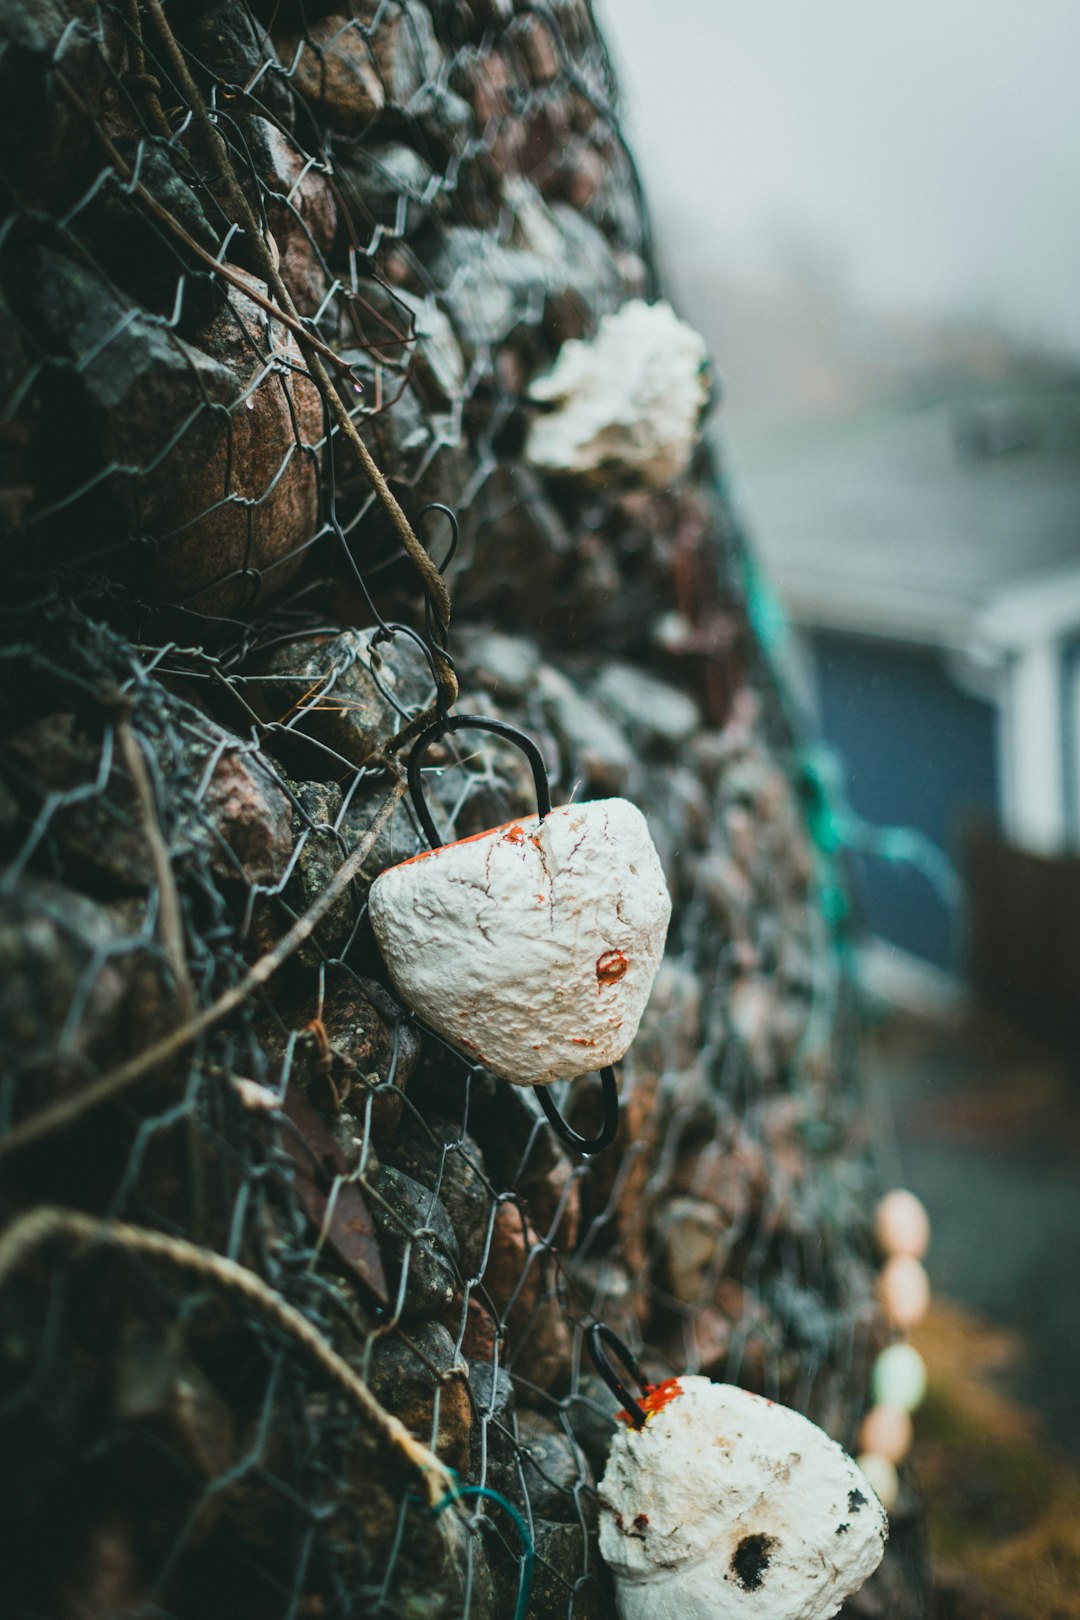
point(212, 641)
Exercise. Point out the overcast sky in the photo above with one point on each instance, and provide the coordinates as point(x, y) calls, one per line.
point(933, 145)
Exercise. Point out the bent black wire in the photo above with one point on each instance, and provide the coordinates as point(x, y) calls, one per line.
point(472, 722)
point(600, 1335)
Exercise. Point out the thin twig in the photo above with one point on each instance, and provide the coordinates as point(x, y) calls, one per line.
point(170, 915)
point(67, 1110)
point(48, 1225)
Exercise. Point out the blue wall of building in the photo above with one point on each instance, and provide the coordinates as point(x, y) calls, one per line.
point(916, 751)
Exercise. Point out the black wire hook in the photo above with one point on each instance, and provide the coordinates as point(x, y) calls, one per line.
point(599, 1335)
point(501, 728)
point(472, 722)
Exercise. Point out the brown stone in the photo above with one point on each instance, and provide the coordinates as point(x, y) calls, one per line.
point(410, 1379)
point(695, 1241)
point(335, 70)
point(532, 36)
point(519, 1280)
point(251, 815)
point(300, 212)
point(480, 1335)
point(254, 500)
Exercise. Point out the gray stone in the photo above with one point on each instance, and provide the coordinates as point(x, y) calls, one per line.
point(418, 1244)
point(347, 691)
point(554, 1471)
point(594, 746)
point(648, 708)
point(423, 1382)
point(392, 184)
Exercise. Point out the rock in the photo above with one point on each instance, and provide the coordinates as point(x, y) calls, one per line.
point(440, 1572)
point(350, 692)
point(565, 1572)
point(238, 819)
point(539, 1345)
point(593, 745)
point(610, 1296)
point(506, 1277)
point(519, 1281)
point(127, 241)
point(625, 406)
point(407, 51)
point(332, 65)
point(319, 852)
point(557, 263)
point(212, 491)
point(406, 1378)
point(366, 1052)
point(533, 947)
point(723, 1495)
point(438, 363)
point(160, 1390)
point(300, 210)
point(46, 158)
point(553, 1469)
point(60, 951)
point(417, 1242)
point(443, 1157)
point(250, 817)
point(660, 714)
point(389, 184)
point(695, 1240)
point(480, 1335)
point(494, 1451)
point(506, 666)
point(237, 56)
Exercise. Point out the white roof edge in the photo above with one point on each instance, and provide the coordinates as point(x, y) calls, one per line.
point(1043, 609)
point(884, 616)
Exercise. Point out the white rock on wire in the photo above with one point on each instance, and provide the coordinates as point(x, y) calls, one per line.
point(628, 402)
point(726, 1506)
point(533, 947)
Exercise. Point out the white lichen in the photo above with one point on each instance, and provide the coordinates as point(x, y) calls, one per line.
point(626, 406)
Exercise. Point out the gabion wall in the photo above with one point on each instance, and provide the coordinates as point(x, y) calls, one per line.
point(243, 1192)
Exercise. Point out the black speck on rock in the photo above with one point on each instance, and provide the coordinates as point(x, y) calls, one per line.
point(855, 1501)
point(751, 1559)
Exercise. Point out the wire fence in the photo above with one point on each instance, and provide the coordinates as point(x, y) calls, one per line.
point(243, 247)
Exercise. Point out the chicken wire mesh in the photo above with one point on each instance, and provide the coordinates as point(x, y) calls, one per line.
point(213, 641)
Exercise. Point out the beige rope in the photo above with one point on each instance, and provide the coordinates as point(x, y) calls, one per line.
point(49, 1225)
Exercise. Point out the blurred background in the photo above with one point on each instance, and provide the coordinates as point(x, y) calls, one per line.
point(872, 215)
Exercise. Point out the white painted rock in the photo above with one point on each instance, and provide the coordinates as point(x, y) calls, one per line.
point(533, 947)
point(726, 1506)
point(629, 401)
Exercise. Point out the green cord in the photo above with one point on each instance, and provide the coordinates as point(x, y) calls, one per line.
point(528, 1551)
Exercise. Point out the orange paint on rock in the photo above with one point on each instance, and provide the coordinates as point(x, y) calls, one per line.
point(508, 829)
point(657, 1396)
point(610, 967)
